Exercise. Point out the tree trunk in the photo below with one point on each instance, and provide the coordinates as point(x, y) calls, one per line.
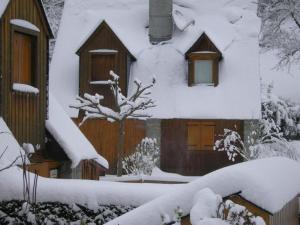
point(120, 148)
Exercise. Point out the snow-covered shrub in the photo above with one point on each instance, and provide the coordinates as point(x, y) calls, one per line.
point(280, 117)
point(144, 159)
point(232, 143)
point(209, 208)
point(166, 219)
point(22, 213)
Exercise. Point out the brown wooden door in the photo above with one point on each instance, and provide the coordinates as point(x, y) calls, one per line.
point(22, 58)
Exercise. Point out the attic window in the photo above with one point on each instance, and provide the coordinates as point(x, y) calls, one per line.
point(203, 68)
point(101, 65)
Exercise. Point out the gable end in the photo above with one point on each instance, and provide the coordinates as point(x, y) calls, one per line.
point(94, 34)
point(204, 43)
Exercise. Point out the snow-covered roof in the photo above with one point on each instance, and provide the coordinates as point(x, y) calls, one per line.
point(269, 183)
point(232, 25)
point(10, 149)
point(69, 137)
point(3, 5)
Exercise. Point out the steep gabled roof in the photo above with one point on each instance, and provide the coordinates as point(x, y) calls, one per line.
point(90, 36)
point(232, 26)
point(4, 4)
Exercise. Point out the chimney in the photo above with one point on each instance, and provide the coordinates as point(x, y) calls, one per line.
point(160, 20)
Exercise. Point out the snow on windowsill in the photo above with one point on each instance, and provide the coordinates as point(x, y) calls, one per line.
point(104, 51)
point(24, 24)
point(101, 82)
point(25, 88)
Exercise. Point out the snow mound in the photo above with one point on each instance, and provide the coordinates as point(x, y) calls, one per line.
point(84, 192)
point(70, 138)
point(9, 146)
point(262, 182)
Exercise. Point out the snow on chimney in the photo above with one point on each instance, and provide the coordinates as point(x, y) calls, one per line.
point(160, 20)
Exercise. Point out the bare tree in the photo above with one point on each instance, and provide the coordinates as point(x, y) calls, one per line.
point(133, 106)
point(281, 29)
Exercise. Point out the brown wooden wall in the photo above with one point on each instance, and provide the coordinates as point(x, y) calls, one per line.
point(24, 113)
point(103, 38)
point(104, 137)
point(288, 215)
point(175, 157)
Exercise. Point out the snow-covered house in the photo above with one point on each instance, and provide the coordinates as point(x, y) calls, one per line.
point(24, 97)
point(204, 55)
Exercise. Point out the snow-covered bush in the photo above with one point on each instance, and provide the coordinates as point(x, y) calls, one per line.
point(166, 219)
point(22, 213)
point(232, 143)
point(144, 159)
point(209, 208)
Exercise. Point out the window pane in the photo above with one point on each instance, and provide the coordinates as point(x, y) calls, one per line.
point(203, 71)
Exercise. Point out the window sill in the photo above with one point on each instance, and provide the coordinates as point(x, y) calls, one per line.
point(204, 85)
point(101, 82)
point(25, 88)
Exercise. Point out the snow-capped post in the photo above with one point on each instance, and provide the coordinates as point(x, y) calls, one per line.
point(133, 106)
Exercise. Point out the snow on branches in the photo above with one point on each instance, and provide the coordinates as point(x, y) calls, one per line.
point(281, 29)
point(232, 143)
point(133, 106)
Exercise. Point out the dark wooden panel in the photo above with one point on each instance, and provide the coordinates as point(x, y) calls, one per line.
point(24, 113)
point(104, 137)
point(175, 156)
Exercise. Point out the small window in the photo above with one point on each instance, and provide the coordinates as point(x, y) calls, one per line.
point(24, 58)
point(101, 65)
point(200, 135)
point(203, 68)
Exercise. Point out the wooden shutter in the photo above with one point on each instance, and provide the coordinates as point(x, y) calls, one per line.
point(191, 73)
point(200, 135)
point(22, 65)
point(101, 66)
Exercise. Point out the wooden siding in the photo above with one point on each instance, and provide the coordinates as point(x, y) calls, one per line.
point(104, 137)
point(103, 38)
point(288, 215)
point(175, 156)
point(24, 113)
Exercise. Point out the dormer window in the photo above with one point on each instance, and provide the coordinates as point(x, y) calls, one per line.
point(203, 68)
point(203, 58)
